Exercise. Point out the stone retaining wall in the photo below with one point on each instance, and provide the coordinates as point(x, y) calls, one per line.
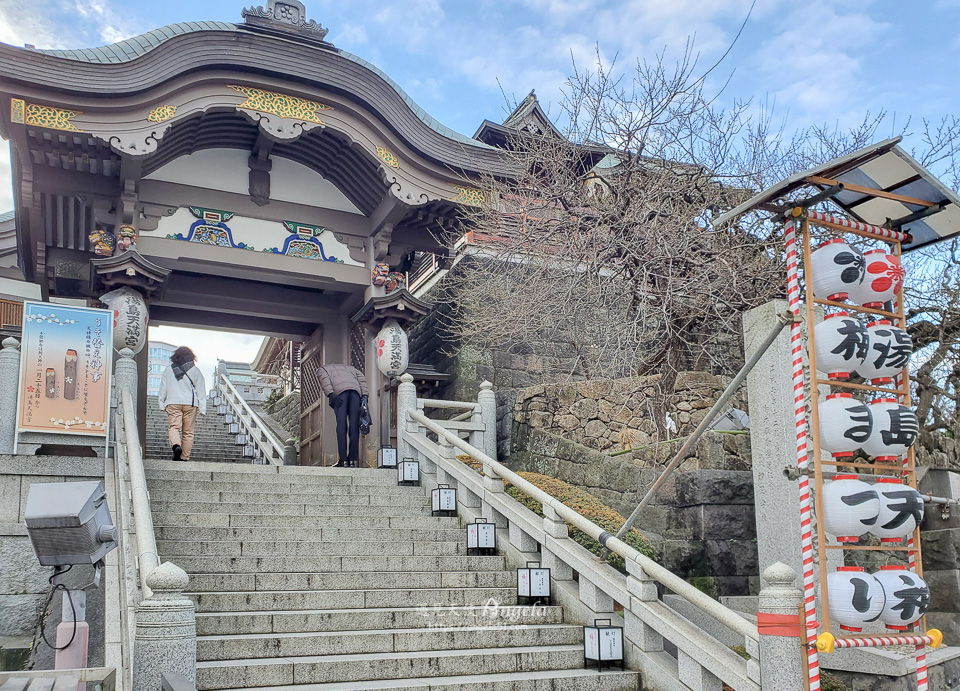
point(286, 413)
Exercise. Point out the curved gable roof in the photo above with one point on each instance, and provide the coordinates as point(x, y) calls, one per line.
point(138, 46)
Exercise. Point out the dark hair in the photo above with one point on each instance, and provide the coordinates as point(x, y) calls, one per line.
point(181, 355)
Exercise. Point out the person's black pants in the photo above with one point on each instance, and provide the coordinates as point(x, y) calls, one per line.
point(348, 424)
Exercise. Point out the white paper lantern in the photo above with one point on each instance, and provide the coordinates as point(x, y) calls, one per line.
point(603, 644)
point(444, 501)
point(129, 318)
point(888, 352)
point(901, 510)
point(481, 537)
point(855, 597)
point(408, 472)
point(845, 424)
point(906, 597)
point(836, 268)
point(387, 457)
point(895, 428)
point(841, 345)
point(882, 279)
point(850, 508)
point(393, 352)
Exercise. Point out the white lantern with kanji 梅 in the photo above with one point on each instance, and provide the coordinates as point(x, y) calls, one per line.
point(901, 510)
point(888, 351)
point(841, 345)
point(850, 508)
point(844, 424)
point(836, 269)
point(855, 598)
point(906, 597)
point(894, 429)
point(882, 279)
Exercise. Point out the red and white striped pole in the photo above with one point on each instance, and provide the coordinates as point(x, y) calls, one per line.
point(800, 411)
point(827, 643)
point(877, 231)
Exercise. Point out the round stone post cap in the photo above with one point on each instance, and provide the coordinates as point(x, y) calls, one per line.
point(11, 342)
point(126, 353)
point(485, 385)
point(168, 578)
point(406, 378)
point(779, 574)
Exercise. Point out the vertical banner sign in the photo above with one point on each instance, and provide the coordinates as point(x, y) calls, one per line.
point(65, 370)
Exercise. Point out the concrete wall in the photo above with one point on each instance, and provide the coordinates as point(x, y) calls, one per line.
point(23, 582)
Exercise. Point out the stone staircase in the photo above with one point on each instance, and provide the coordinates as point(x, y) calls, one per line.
point(313, 579)
point(213, 442)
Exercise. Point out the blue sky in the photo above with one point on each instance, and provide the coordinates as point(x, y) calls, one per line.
point(818, 61)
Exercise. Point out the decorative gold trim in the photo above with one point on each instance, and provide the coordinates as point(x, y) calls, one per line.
point(388, 157)
point(162, 113)
point(51, 118)
point(469, 195)
point(17, 110)
point(281, 105)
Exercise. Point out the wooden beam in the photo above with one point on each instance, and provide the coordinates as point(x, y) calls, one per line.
point(817, 180)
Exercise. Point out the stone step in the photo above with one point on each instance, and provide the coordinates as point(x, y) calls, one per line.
point(368, 619)
point(244, 673)
point(186, 470)
point(288, 600)
point(259, 646)
point(549, 680)
point(374, 496)
point(345, 521)
point(317, 533)
point(299, 548)
point(254, 582)
point(209, 490)
point(274, 564)
point(237, 480)
point(178, 507)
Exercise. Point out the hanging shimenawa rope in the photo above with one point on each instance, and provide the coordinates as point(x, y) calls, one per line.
point(800, 409)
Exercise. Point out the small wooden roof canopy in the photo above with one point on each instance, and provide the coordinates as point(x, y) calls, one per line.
point(881, 185)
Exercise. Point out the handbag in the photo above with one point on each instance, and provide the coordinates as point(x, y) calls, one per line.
point(364, 419)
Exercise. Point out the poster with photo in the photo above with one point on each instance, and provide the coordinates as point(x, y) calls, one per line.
point(65, 366)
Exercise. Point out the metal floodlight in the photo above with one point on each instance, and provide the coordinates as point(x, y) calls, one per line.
point(387, 457)
point(444, 501)
point(481, 538)
point(533, 584)
point(603, 644)
point(408, 472)
point(69, 522)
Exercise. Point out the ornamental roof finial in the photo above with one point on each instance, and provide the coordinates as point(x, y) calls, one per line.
point(289, 16)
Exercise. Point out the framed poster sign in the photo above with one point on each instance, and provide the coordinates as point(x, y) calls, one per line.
point(65, 367)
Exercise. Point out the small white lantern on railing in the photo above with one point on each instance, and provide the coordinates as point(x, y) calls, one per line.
point(234, 428)
point(906, 597)
point(901, 510)
point(221, 410)
point(217, 401)
point(408, 472)
point(841, 345)
point(855, 598)
point(249, 451)
point(241, 439)
point(444, 501)
point(533, 584)
point(603, 644)
point(836, 268)
point(895, 428)
point(481, 538)
point(228, 418)
point(387, 457)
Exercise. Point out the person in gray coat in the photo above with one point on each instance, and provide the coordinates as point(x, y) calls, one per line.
point(346, 389)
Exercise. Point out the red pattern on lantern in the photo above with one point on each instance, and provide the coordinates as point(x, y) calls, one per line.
point(882, 280)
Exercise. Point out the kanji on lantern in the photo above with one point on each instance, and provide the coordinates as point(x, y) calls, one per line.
point(841, 345)
point(850, 508)
point(856, 598)
point(895, 429)
point(888, 351)
point(845, 424)
point(906, 597)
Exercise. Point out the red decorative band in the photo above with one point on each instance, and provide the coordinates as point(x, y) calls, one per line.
point(780, 625)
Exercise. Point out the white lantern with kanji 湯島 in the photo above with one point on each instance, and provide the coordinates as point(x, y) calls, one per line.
point(882, 279)
point(845, 424)
point(393, 352)
point(850, 508)
point(841, 345)
point(888, 351)
point(901, 510)
point(836, 269)
point(130, 317)
point(906, 597)
point(895, 428)
point(855, 598)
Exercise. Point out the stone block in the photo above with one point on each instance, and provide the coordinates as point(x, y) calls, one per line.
point(727, 522)
point(944, 590)
point(731, 557)
point(940, 549)
point(10, 498)
point(683, 556)
point(18, 614)
point(21, 573)
point(714, 487)
point(585, 409)
point(594, 429)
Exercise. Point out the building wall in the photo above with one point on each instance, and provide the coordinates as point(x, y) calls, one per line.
point(158, 354)
point(252, 386)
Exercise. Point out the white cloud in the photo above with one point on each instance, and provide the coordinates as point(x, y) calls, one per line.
point(208, 346)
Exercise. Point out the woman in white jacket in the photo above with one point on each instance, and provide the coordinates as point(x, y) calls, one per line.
point(182, 394)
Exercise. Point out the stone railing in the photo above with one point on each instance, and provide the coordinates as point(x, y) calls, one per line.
point(671, 651)
point(266, 448)
point(158, 621)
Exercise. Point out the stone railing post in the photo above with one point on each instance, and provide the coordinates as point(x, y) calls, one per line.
point(406, 401)
point(125, 374)
point(488, 416)
point(555, 527)
point(782, 658)
point(290, 452)
point(166, 633)
point(10, 376)
point(644, 589)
